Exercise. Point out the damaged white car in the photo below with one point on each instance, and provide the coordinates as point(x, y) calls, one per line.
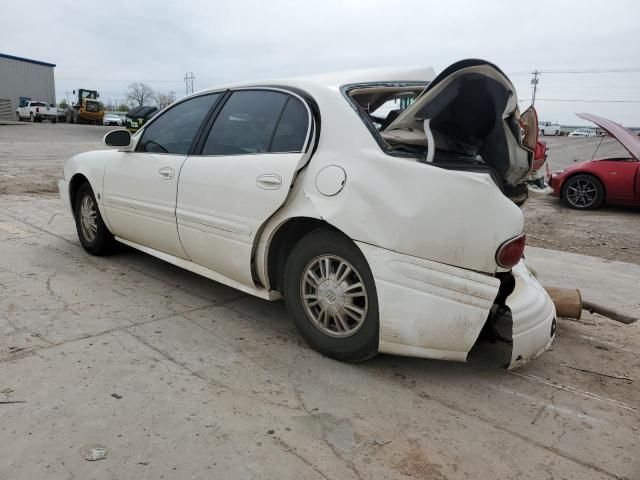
point(377, 203)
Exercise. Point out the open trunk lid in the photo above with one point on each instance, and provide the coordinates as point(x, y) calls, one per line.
point(625, 136)
point(468, 114)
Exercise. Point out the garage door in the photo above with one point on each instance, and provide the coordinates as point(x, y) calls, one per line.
point(5, 109)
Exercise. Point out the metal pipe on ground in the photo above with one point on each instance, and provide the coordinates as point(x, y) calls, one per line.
point(569, 304)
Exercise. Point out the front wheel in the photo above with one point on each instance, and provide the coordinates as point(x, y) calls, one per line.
point(331, 295)
point(18, 117)
point(583, 192)
point(32, 118)
point(94, 235)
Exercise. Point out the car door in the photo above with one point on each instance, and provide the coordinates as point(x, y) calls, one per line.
point(140, 186)
point(246, 165)
point(620, 178)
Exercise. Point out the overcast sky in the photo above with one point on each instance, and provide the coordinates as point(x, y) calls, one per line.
point(106, 45)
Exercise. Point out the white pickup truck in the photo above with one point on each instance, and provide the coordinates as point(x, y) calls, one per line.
point(37, 111)
point(548, 128)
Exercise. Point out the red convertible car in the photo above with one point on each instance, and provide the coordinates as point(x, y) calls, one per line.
point(587, 185)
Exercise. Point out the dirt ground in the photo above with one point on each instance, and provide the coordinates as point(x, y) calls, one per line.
point(32, 155)
point(612, 233)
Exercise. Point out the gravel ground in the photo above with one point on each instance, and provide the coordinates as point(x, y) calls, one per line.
point(32, 155)
point(612, 233)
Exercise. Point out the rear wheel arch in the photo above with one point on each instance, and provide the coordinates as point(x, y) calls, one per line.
point(283, 241)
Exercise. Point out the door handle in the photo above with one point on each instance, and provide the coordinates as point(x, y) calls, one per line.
point(166, 173)
point(269, 181)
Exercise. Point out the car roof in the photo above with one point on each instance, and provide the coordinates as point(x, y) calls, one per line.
point(335, 80)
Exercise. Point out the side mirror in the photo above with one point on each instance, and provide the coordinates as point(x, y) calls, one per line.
point(118, 138)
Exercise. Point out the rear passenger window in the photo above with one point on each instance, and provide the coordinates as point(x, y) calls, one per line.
point(246, 123)
point(292, 128)
point(258, 121)
point(174, 130)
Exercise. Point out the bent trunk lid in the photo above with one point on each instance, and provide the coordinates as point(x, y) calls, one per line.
point(471, 111)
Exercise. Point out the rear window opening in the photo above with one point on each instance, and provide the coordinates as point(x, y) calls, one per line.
point(466, 124)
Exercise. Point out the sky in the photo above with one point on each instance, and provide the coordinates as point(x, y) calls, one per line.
point(106, 45)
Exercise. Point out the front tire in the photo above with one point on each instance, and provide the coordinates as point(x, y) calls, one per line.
point(331, 295)
point(32, 118)
point(94, 235)
point(583, 192)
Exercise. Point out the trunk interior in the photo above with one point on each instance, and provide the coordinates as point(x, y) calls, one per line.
point(468, 121)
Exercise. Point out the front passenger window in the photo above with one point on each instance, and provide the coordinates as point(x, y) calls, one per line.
point(174, 130)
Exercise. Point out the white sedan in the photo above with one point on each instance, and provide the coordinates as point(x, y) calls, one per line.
point(112, 119)
point(390, 234)
point(582, 132)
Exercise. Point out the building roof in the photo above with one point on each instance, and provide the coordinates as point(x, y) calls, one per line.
point(28, 60)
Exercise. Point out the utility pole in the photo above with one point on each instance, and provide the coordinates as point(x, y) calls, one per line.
point(67, 94)
point(188, 82)
point(534, 82)
point(172, 94)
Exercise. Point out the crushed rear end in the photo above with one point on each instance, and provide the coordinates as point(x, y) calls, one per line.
point(437, 305)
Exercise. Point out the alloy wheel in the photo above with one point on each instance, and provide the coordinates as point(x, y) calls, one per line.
point(582, 193)
point(334, 296)
point(88, 218)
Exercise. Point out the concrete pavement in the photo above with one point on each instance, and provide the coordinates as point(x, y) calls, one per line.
point(216, 384)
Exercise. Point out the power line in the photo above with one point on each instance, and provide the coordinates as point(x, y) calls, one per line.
point(145, 80)
point(580, 100)
point(593, 70)
point(578, 71)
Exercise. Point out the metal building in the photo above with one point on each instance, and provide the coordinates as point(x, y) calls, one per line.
point(24, 79)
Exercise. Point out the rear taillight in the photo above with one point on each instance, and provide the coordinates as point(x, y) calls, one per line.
point(511, 251)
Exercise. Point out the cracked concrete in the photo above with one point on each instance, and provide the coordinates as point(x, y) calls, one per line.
point(217, 384)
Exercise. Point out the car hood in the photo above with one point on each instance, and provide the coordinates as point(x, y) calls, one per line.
point(626, 137)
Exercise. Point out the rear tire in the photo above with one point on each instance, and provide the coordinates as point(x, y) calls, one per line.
point(583, 192)
point(331, 295)
point(94, 235)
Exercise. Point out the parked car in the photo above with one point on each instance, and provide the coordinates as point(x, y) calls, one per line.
point(548, 128)
point(112, 119)
point(138, 116)
point(399, 240)
point(587, 185)
point(37, 111)
point(583, 132)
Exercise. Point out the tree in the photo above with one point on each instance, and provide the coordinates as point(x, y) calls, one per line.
point(123, 107)
point(140, 94)
point(63, 104)
point(163, 100)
